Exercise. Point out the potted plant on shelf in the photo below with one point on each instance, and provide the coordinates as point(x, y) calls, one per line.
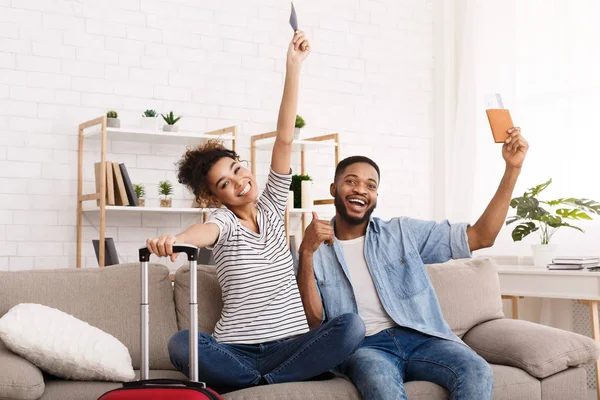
point(299, 125)
point(165, 188)
point(140, 192)
point(150, 120)
point(302, 187)
point(545, 217)
point(112, 119)
point(171, 121)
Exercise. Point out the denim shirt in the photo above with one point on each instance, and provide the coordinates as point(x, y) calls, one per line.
point(396, 252)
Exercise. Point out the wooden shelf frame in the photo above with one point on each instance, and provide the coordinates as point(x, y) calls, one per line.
point(331, 140)
point(100, 122)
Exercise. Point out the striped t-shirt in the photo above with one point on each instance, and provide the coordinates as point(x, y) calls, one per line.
point(261, 301)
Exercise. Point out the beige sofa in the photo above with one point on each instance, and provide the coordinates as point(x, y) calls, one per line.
point(529, 361)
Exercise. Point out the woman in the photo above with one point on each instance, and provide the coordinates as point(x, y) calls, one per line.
point(262, 335)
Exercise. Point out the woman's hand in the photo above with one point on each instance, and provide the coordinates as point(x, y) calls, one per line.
point(298, 49)
point(162, 246)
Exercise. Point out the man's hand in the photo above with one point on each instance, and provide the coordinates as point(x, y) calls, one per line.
point(317, 232)
point(514, 148)
point(162, 246)
point(298, 49)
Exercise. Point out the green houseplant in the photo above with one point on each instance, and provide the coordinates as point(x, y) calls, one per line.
point(165, 188)
point(149, 120)
point(300, 123)
point(150, 113)
point(171, 120)
point(296, 187)
point(112, 119)
point(140, 193)
point(545, 217)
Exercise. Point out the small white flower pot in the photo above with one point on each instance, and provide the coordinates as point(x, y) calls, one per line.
point(149, 123)
point(170, 128)
point(306, 194)
point(543, 254)
point(113, 122)
point(297, 133)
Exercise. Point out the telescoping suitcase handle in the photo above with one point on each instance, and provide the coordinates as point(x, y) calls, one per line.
point(192, 256)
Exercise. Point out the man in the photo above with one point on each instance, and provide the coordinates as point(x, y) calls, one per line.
point(376, 269)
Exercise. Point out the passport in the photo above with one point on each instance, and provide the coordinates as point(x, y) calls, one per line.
point(294, 19)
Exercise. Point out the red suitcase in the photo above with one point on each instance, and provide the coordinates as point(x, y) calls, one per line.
point(166, 389)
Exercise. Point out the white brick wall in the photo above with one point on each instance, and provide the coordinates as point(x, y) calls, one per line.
point(217, 63)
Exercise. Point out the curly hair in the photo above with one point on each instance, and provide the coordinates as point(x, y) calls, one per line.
point(195, 164)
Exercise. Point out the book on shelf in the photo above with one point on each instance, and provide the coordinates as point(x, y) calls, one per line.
point(121, 198)
point(110, 193)
point(131, 196)
point(110, 251)
point(110, 185)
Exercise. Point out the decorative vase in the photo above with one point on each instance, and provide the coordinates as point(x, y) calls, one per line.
point(306, 194)
point(170, 128)
point(141, 202)
point(149, 123)
point(543, 254)
point(290, 201)
point(113, 122)
point(297, 132)
point(165, 202)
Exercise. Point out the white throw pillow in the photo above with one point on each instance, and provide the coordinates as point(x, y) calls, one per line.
point(63, 345)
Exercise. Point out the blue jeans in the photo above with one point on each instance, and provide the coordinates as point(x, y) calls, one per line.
point(234, 366)
point(384, 361)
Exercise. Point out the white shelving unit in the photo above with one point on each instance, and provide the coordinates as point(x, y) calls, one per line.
point(97, 129)
point(300, 210)
point(166, 210)
point(155, 137)
point(298, 145)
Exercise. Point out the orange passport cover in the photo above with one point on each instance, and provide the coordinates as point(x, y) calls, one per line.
point(500, 122)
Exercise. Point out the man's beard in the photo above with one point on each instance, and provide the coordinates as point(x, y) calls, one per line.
point(340, 207)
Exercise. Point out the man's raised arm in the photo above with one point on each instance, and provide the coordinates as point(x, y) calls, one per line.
point(484, 232)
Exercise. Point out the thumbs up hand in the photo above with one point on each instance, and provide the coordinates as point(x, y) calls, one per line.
point(319, 231)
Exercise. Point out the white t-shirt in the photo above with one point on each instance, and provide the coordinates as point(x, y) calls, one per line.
point(369, 305)
point(261, 300)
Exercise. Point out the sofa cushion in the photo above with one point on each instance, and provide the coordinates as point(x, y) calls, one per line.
point(209, 298)
point(538, 349)
point(569, 384)
point(509, 384)
point(332, 389)
point(58, 389)
point(107, 298)
point(421, 390)
point(514, 384)
point(468, 291)
point(63, 345)
point(19, 379)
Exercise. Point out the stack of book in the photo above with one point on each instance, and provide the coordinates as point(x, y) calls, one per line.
point(119, 189)
point(574, 263)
